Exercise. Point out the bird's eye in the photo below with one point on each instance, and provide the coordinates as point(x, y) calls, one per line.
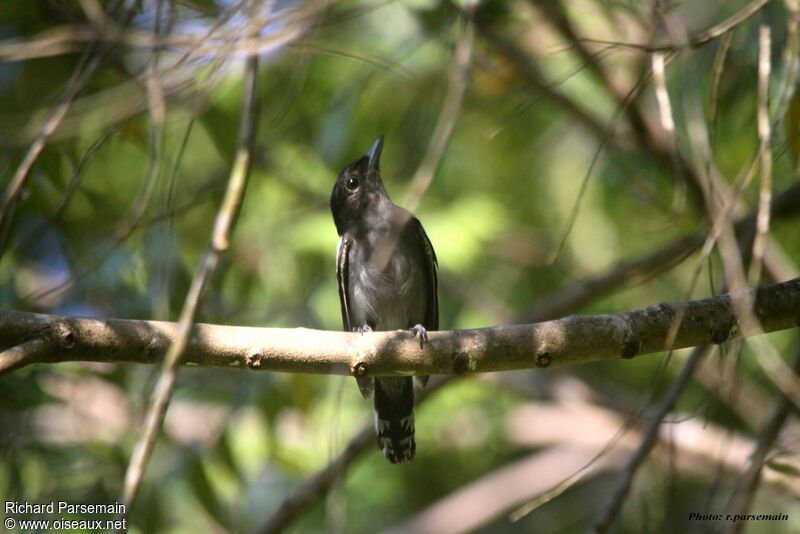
point(351, 183)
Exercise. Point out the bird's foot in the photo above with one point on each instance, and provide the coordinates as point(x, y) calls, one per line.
point(363, 329)
point(419, 331)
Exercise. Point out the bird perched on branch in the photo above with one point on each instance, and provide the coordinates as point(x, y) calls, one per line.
point(386, 269)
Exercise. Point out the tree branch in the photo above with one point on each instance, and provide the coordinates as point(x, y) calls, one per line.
point(220, 237)
point(699, 39)
point(743, 497)
point(622, 484)
point(560, 303)
point(320, 483)
point(568, 435)
point(784, 206)
point(25, 354)
point(571, 340)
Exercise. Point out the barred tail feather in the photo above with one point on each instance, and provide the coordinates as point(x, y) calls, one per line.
point(394, 418)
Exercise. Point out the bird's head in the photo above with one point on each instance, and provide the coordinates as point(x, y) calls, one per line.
point(358, 190)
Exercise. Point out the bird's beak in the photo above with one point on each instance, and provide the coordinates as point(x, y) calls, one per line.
point(374, 156)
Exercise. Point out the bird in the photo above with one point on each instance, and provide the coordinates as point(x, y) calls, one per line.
point(386, 272)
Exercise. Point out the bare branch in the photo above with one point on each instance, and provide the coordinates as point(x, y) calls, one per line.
point(567, 341)
point(728, 24)
point(649, 438)
point(561, 302)
point(532, 76)
point(790, 58)
point(559, 18)
point(647, 137)
point(83, 72)
point(662, 96)
point(567, 436)
point(786, 204)
point(699, 39)
point(462, 58)
point(26, 353)
point(764, 153)
point(474, 506)
point(716, 81)
point(65, 39)
point(743, 497)
point(87, 65)
point(319, 484)
point(183, 332)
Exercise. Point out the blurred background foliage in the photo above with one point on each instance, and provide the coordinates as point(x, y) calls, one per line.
point(118, 209)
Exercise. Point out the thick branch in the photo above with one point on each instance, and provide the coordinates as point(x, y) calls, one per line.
point(570, 340)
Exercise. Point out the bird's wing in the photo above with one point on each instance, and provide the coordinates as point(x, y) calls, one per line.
point(432, 298)
point(365, 383)
point(431, 264)
point(342, 277)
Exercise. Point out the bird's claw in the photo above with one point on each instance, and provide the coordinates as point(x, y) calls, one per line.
point(363, 329)
point(419, 331)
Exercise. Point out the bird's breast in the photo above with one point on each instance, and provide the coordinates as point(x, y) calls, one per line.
point(386, 287)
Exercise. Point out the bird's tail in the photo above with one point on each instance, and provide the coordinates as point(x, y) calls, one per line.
point(394, 418)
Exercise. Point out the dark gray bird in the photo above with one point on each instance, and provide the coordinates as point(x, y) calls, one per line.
point(386, 268)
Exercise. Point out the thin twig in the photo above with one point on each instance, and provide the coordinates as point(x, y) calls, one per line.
point(558, 433)
point(313, 488)
point(163, 275)
point(721, 228)
point(66, 39)
point(666, 116)
point(674, 328)
point(716, 80)
point(219, 243)
point(765, 155)
point(775, 368)
point(735, 276)
point(791, 58)
point(560, 303)
point(571, 297)
point(662, 95)
point(85, 70)
point(557, 15)
point(729, 24)
point(699, 39)
point(87, 65)
point(743, 497)
point(623, 482)
point(607, 139)
point(733, 265)
point(127, 224)
point(462, 57)
point(26, 353)
point(532, 75)
point(155, 91)
point(72, 185)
